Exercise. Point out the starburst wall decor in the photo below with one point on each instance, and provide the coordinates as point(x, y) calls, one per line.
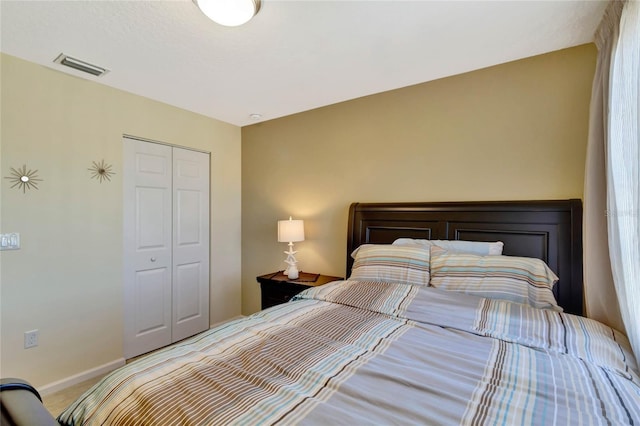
point(24, 178)
point(101, 171)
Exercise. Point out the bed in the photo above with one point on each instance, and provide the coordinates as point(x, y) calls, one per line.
point(408, 338)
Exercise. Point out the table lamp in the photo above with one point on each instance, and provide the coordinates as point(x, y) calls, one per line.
point(290, 231)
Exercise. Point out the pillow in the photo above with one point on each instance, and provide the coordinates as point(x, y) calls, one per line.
point(457, 246)
point(388, 263)
point(517, 279)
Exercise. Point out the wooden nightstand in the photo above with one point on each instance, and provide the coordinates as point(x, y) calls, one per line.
point(278, 288)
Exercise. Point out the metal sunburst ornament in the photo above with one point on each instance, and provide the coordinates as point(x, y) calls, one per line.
point(23, 178)
point(101, 171)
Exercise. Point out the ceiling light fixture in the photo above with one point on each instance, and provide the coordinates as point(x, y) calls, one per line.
point(229, 13)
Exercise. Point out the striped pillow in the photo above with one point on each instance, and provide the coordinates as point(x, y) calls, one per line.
point(517, 279)
point(387, 263)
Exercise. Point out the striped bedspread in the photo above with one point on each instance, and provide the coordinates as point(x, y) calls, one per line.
point(356, 353)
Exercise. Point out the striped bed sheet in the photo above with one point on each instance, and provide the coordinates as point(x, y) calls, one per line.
point(356, 352)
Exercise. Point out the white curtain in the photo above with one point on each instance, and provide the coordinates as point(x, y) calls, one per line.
point(601, 302)
point(623, 170)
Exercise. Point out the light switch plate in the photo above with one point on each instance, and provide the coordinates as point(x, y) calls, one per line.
point(10, 241)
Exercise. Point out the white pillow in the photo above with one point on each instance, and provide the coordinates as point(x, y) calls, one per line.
point(456, 246)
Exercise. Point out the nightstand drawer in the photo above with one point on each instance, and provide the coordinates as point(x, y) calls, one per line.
point(274, 293)
point(268, 302)
point(277, 288)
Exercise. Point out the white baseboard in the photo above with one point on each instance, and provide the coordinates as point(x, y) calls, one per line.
point(215, 324)
point(81, 377)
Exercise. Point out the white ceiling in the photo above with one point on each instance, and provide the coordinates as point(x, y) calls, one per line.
point(294, 55)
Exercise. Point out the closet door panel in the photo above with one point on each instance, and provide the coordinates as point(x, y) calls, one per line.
point(151, 301)
point(147, 261)
point(187, 292)
point(190, 243)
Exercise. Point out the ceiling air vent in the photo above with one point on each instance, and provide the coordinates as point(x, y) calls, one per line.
point(79, 65)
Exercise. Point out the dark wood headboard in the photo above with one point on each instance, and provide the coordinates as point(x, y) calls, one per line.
point(548, 230)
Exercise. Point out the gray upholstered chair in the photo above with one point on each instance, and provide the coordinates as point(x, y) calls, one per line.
point(21, 405)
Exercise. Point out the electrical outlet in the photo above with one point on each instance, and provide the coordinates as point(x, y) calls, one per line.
point(30, 339)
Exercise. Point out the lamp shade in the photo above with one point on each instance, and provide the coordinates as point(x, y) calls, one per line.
point(290, 231)
point(230, 13)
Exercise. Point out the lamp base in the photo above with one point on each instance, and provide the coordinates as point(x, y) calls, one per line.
point(292, 269)
point(292, 272)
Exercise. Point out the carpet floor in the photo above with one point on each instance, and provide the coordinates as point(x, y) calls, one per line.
point(58, 401)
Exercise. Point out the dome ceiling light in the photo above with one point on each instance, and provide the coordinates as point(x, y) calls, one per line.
point(230, 13)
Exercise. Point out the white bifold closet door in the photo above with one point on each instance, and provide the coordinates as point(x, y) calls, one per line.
point(166, 244)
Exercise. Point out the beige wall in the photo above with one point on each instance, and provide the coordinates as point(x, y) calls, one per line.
point(510, 132)
point(66, 279)
point(514, 131)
